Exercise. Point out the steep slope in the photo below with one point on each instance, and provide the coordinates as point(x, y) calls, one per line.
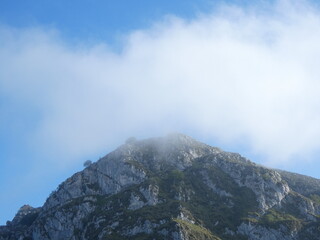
point(175, 188)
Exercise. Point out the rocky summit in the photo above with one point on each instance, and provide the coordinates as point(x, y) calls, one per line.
point(174, 188)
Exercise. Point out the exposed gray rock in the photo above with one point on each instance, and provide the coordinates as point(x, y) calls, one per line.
point(144, 188)
point(267, 184)
point(263, 233)
point(135, 202)
point(146, 227)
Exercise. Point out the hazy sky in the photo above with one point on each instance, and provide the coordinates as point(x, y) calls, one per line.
point(79, 77)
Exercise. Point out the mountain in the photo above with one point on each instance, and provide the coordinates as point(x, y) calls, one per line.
point(174, 188)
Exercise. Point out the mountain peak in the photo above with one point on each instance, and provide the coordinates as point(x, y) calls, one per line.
point(177, 149)
point(174, 187)
point(170, 143)
point(179, 137)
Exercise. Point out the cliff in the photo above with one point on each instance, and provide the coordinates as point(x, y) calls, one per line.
point(174, 188)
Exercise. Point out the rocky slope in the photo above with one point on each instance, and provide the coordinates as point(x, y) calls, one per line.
point(174, 188)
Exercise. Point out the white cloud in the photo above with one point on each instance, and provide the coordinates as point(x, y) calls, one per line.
point(232, 75)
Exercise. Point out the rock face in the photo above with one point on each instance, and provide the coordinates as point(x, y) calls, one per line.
point(174, 188)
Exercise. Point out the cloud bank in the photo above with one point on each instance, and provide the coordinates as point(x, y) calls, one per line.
point(238, 75)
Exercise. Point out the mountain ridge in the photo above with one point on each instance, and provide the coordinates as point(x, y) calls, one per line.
point(175, 188)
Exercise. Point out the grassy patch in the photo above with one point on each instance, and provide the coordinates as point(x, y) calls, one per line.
point(195, 232)
point(274, 219)
point(315, 198)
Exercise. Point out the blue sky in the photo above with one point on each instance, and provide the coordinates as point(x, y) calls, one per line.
point(79, 77)
point(95, 20)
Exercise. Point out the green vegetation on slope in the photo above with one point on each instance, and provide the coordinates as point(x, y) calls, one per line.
point(195, 232)
point(275, 218)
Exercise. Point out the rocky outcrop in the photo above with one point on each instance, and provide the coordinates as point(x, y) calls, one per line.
point(267, 184)
point(18, 228)
point(173, 188)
